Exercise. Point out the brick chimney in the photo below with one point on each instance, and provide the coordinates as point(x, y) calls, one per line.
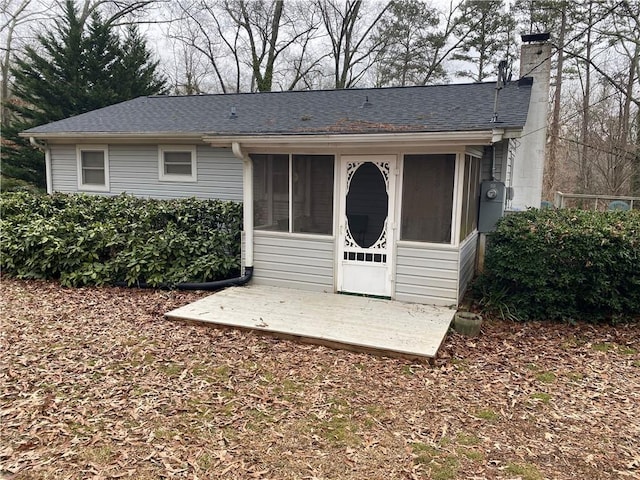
point(528, 162)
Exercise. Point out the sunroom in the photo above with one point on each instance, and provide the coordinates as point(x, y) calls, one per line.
point(381, 221)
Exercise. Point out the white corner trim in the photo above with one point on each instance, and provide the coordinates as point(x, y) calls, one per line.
point(84, 187)
point(164, 177)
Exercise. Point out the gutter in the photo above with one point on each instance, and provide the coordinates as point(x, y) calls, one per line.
point(477, 137)
point(79, 137)
point(47, 162)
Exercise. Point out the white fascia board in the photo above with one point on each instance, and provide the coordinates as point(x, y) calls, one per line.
point(462, 138)
point(481, 137)
point(512, 133)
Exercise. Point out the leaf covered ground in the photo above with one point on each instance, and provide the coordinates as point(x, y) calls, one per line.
point(95, 383)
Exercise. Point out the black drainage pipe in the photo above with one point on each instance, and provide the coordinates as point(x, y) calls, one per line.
point(218, 284)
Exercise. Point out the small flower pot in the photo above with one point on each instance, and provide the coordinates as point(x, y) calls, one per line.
point(467, 323)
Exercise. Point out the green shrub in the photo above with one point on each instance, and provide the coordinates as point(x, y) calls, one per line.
point(9, 184)
point(563, 265)
point(94, 240)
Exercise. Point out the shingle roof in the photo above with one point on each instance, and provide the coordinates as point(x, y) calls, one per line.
point(455, 107)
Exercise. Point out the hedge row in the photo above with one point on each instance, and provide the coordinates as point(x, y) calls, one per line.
point(564, 265)
point(94, 240)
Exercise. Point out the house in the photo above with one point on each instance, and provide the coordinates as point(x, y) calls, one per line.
point(368, 191)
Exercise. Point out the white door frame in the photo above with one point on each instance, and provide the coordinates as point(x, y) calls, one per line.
point(358, 276)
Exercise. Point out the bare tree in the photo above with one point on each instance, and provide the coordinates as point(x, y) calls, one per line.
point(584, 170)
point(189, 72)
point(610, 35)
point(554, 128)
point(352, 47)
point(117, 12)
point(16, 14)
point(627, 32)
point(201, 26)
point(269, 31)
point(249, 45)
point(303, 58)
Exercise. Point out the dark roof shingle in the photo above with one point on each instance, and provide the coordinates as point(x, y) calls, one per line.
point(455, 107)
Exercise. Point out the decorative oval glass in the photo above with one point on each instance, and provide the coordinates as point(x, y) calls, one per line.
point(367, 205)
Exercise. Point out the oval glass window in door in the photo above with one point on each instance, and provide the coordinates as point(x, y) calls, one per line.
point(367, 205)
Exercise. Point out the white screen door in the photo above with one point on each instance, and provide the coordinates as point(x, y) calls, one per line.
point(366, 224)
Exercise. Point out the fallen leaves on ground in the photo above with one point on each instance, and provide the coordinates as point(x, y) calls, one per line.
point(95, 383)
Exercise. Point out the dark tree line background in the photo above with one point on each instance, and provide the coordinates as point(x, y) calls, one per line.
point(93, 54)
point(78, 65)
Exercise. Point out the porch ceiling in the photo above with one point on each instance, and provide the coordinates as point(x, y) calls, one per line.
point(355, 323)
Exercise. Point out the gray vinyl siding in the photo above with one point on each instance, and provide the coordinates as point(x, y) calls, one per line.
point(134, 169)
point(500, 161)
point(467, 262)
point(426, 274)
point(64, 168)
point(294, 261)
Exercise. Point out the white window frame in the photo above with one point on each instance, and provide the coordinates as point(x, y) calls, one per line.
point(91, 187)
point(164, 177)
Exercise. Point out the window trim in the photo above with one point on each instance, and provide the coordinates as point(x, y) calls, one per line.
point(172, 177)
point(91, 187)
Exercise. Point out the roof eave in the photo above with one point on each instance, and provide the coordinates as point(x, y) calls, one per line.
point(462, 137)
point(92, 136)
point(477, 137)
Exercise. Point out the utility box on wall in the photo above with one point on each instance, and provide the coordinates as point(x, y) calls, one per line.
point(492, 200)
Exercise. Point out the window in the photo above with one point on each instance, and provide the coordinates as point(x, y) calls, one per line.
point(297, 187)
point(470, 196)
point(93, 168)
point(177, 163)
point(312, 199)
point(271, 192)
point(427, 198)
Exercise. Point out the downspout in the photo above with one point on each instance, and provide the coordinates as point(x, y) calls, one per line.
point(47, 162)
point(247, 203)
point(247, 221)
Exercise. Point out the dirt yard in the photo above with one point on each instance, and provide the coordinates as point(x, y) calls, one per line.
point(95, 383)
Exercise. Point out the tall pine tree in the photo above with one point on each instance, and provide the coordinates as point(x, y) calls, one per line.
point(411, 42)
point(75, 68)
point(490, 38)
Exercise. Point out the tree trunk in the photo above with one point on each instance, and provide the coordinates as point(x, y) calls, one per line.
point(635, 165)
point(627, 154)
point(585, 176)
point(554, 131)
